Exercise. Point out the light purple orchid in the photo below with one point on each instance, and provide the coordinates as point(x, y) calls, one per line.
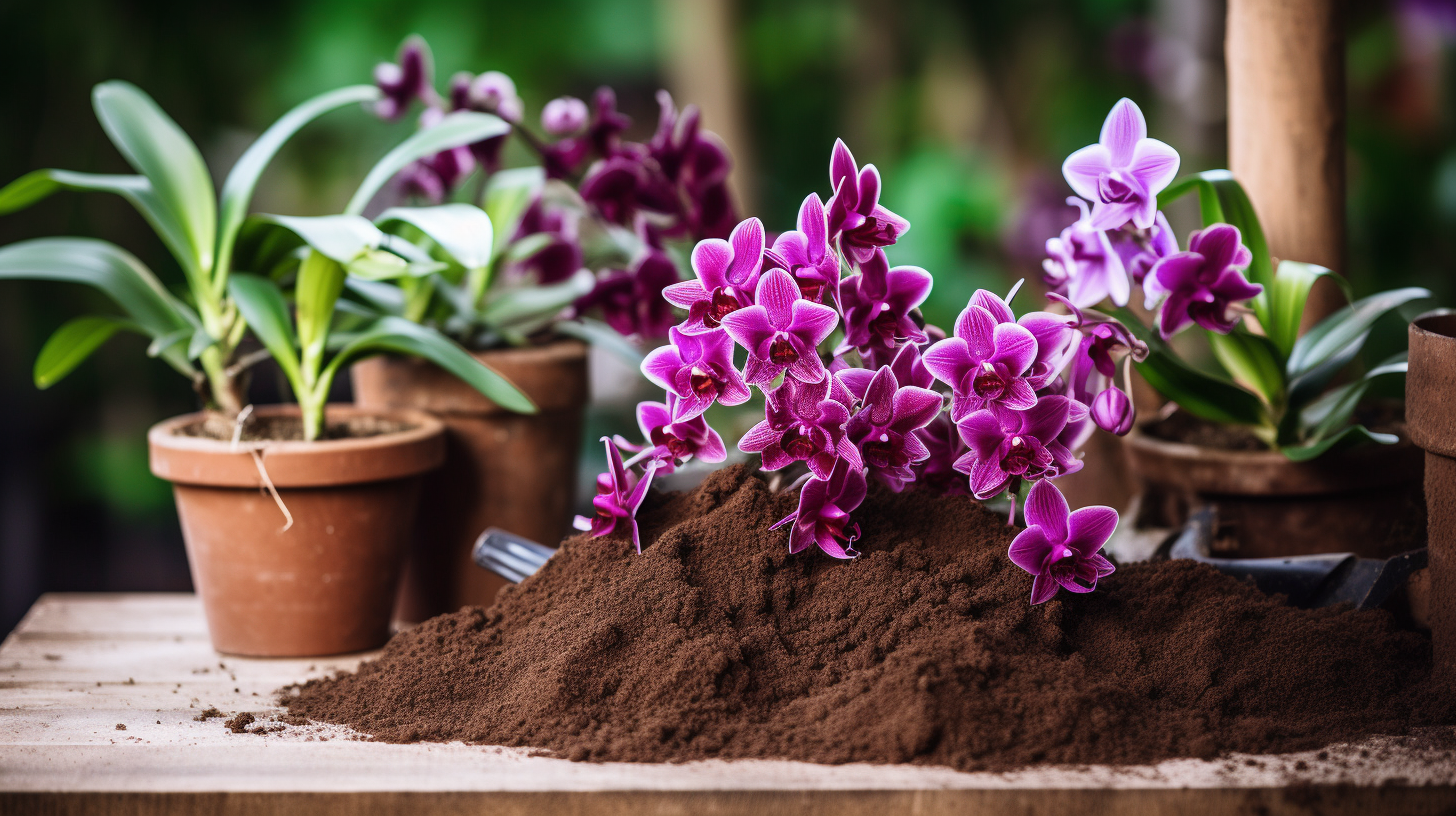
point(698, 370)
point(1083, 265)
point(883, 429)
point(619, 494)
point(1062, 547)
point(1018, 445)
point(823, 515)
point(1124, 172)
point(405, 80)
point(988, 360)
point(1140, 249)
point(1201, 285)
point(855, 214)
point(782, 331)
point(677, 438)
point(564, 116)
point(728, 274)
point(878, 302)
point(806, 253)
point(803, 422)
point(494, 92)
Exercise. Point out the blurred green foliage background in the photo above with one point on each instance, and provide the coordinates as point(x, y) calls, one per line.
point(967, 108)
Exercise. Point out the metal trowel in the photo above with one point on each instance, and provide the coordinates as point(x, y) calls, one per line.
point(508, 555)
point(1308, 580)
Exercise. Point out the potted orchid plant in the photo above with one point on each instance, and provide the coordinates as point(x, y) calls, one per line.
point(859, 390)
point(584, 240)
point(294, 518)
point(1272, 413)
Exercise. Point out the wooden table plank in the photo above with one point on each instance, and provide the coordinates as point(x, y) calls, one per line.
point(79, 665)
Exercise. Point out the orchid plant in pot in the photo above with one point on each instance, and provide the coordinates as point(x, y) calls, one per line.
point(584, 239)
point(1298, 470)
point(325, 499)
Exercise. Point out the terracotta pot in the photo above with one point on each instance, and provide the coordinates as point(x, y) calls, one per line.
point(1362, 500)
point(1430, 398)
point(327, 584)
point(501, 469)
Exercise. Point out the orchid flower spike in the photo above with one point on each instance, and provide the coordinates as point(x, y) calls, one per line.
point(1202, 284)
point(1061, 547)
point(1124, 172)
point(727, 276)
point(618, 497)
point(698, 369)
point(782, 331)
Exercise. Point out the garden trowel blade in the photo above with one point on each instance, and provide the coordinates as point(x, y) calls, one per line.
point(508, 555)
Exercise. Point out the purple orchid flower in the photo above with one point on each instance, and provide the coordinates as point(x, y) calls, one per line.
point(884, 428)
point(1112, 411)
point(1202, 284)
point(728, 273)
point(1019, 445)
point(564, 116)
point(782, 331)
point(677, 438)
point(559, 258)
point(878, 301)
point(906, 362)
point(1140, 249)
point(822, 517)
point(1083, 265)
point(1061, 547)
point(988, 361)
point(855, 214)
point(1124, 172)
point(804, 422)
point(937, 471)
point(631, 301)
point(435, 177)
point(607, 123)
point(806, 253)
point(619, 495)
point(698, 370)
point(405, 80)
point(494, 92)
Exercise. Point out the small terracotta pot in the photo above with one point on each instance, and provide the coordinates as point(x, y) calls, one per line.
point(501, 469)
point(1359, 501)
point(1430, 400)
point(327, 584)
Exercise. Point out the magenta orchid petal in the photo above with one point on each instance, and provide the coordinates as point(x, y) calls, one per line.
point(1203, 284)
point(1083, 168)
point(992, 302)
point(1015, 347)
point(1088, 528)
point(1043, 589)
point(777, 294)
point(1030, 548)
point(1122, 131)
point(747, 243)
point(915, 407)
point(1047, 508)
point(1060, 547)
point(825, 506)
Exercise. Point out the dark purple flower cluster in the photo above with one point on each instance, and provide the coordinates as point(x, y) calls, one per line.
point(989, 409)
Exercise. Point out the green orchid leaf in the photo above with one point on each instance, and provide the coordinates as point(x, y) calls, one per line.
point(462, 231)
point(377, 265)
point(320, 282)
point(599, 334)
point(528, 246)
point(456, 129)
point(157, 148)
point(1222, 199)
point(381, 298)
point(1207, 397)
point(72, 343)
point(532, 303)
point(507, 195)
point(401, 336)
point(1348, 438)
point(1324, 416)
point(341, 238)
point(166, 341)
point(199, 342)
point(1208, 205)
point(237, 191)
point(1333, 337)
point(1253, 361)
point(1288, 294)
point(262, 306)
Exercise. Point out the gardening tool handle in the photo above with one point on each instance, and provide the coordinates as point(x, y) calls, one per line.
point(508, 555)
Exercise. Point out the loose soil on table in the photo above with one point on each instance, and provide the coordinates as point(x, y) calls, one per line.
point(289, 429)
point(716, 642)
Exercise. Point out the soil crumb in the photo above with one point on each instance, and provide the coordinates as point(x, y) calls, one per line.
point(239, 724)
point(716, 642)
point(289, 429)
point(208, 713)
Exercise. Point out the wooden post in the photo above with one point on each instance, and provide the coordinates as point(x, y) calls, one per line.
point(1286, 120)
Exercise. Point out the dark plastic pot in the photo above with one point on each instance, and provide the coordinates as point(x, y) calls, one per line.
point(1430, 398)
point(501, 469)
point(327, 584)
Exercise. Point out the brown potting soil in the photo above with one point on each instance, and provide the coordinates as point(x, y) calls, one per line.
point(716, 642)
point(289, 428)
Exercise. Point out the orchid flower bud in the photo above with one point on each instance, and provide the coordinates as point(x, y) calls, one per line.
point(495, 92)
point(564, 116)
point(1112, 410)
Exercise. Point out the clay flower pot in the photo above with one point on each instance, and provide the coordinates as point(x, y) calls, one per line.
point(1358, 500)
point(501, 469)
point(1430, 398)
point(325, 585)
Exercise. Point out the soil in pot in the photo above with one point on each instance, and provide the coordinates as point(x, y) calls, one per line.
point(716, 642)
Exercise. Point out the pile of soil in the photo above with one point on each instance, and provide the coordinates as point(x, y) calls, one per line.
point(715, 642)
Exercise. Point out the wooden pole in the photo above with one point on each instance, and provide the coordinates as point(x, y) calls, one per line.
point(1286, 120)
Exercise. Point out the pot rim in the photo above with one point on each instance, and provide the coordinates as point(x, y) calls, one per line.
point(207, 462)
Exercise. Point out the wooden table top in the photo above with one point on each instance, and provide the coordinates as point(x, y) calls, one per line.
point(80, 667)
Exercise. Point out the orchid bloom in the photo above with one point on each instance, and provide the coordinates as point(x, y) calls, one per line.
point(803, 423)
point(618, 497)
point(404, 81)
point(698, 370)
point(1060, 546)
point(884, 428)
point(676, 438)
point(878, 301)
point(1202, 284)
point(1112, 411)
point(564, 116)
point(855, 214)
point(1083, 265)
point(727, 275)
point(1140, 249)
point(782, 331)
point(1124, 172)
point(632, 300)
point(822, 517)
point(806, 254)
point(1018, 445)
point(937, 471)
point(494, 92)
point(988, 360)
